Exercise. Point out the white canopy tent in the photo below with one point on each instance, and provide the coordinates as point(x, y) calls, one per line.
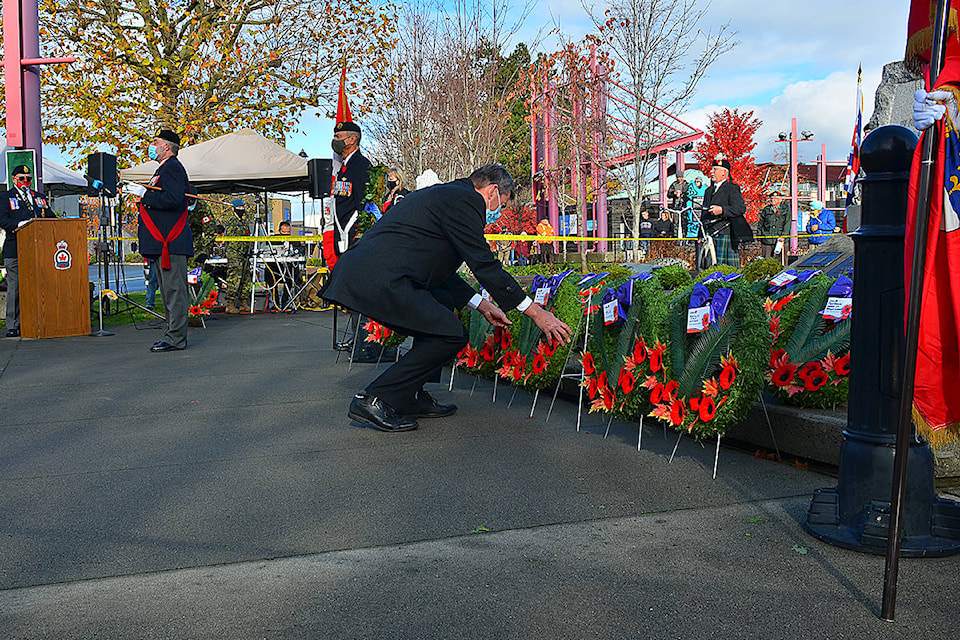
point(242, 161)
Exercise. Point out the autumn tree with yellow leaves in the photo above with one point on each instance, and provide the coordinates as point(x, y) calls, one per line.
point(202, 67)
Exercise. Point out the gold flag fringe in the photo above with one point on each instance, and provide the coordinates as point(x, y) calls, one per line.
point(922, 42)
point(936, 437)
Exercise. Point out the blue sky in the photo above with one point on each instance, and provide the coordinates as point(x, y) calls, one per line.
point(794, 60)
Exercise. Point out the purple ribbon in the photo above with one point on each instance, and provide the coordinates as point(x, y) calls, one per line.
point(718, 305)
point(718, 301)
point(699, 297)
point(809, 273)
point(642, 276)
point(730, 277)
point(590, 277)
point(553, 282)
point(716, 275)
point(623, 294)
point(842, 288)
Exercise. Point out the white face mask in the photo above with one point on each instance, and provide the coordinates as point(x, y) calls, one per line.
point(494, 214)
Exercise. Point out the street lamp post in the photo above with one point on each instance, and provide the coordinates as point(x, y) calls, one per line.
point(793, 139)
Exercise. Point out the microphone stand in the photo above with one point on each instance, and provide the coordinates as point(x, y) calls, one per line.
point(101, 333)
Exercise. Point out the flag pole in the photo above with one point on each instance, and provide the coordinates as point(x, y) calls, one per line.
point(905, 427)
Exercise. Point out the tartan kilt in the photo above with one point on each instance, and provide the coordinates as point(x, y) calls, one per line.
point(726, 254)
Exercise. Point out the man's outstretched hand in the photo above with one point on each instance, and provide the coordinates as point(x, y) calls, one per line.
point(555, 330)
point(493, 314)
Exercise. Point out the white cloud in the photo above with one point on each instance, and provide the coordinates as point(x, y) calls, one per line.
point(827, 107)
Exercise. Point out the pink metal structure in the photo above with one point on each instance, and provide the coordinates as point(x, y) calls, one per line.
point(584, 104)
point(21, 61)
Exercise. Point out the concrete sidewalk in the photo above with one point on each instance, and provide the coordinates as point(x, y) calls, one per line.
point(221, 492)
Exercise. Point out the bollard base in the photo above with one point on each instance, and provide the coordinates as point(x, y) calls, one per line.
point(870, 536)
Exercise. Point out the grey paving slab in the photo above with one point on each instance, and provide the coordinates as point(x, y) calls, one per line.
point(227, 479)
point(741, 571)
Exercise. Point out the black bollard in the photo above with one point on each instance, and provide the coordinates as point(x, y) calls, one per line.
point(856, 513)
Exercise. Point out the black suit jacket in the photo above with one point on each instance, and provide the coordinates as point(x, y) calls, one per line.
point(165, 208)
point(731, 220)
point(415, 248)
point(14, 210)
point(349, 189)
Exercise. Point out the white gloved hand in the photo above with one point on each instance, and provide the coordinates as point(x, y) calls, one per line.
point(947, 99)
point(136, 190)
point(925, 110)
point(21, 223)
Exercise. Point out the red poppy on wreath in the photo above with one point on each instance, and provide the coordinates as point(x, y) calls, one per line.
point(588, 367)
point(809, 369)
point(212, 295)
point(815, 380)
point(677, 413)
point(487, 352)
point(539, 364)
point(707, 409)
point(467, 357)
point(518, 368)
point(783, 375)
point(194, 310)
point(670, 390)
point(778, 358)
point(591, 385)
point(656, 396)
point(727, 377)
point(656, 359)
point(842, 367)
point(639, 352)
point(547, 348)
point(626, 381)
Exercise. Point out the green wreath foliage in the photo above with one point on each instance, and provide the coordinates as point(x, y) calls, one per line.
point(762, 269)
point(696, 360)
point(672, 277)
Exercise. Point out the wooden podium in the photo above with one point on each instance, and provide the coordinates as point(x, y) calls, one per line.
point(54, 294)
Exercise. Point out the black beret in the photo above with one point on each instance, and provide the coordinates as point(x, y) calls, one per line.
point(347, 126)
point(169, 136)
point(721, 162)
point(20, 169)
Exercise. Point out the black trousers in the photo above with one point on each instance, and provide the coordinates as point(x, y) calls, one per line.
point(399, 384)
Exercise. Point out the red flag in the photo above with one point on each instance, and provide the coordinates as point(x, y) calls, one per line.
point(920, 32)
point(936, 399)
point(343, 107)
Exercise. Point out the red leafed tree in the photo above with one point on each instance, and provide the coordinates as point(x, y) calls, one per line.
point(731, 132)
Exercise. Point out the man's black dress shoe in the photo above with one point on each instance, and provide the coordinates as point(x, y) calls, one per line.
point(346, 345)
point(13, 333)
point(428, 407)
point(374, 411)
point(164, 346)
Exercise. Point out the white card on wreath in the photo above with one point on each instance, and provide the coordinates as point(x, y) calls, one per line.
point(837, 308)
point(782, 278)
point(698, 319)
point(485, 295)
point(542, 295)
point(610, 312)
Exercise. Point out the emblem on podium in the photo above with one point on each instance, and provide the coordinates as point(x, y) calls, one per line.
point(62, 259)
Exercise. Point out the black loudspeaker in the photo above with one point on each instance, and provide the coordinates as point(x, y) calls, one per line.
point(103, 167)
point(320, 172)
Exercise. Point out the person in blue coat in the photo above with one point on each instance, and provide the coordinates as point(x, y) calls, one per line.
point(821, 224)
point(164, 234)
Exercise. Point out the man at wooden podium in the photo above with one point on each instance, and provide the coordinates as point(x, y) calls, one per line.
point(164, 234)
point(18, 206)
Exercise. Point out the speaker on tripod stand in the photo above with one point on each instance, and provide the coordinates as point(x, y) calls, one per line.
point(320, 173)
point(102, 169)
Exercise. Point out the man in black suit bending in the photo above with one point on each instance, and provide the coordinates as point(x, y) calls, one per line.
point(403, 274)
